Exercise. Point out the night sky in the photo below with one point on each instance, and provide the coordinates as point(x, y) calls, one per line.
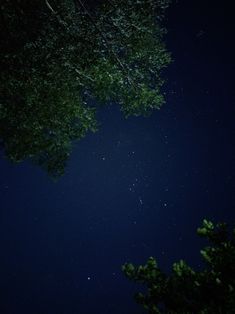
point(139, 187)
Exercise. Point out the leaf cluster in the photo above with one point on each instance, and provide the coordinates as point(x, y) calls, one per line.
point(185, 290)
point(59, 59)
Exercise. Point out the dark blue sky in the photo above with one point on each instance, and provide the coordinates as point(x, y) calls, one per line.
point(138, 188)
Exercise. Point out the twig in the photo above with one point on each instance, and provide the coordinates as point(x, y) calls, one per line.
point(50, 7)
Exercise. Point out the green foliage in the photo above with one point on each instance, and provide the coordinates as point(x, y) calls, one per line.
point(184, 290)
point(59, 57)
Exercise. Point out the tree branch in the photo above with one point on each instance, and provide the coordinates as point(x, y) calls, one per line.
point(106, 43)
point(50, 7)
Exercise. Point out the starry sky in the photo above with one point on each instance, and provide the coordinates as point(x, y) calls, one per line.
point(137, 188)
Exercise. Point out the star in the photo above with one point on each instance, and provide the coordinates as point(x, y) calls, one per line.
point(141, 201)
point(200, 33)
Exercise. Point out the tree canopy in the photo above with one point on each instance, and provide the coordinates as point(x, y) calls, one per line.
point(184, 290)
point(60, 59)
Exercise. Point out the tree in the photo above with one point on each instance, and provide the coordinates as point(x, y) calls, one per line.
point(59, 59)
point(209, 291)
